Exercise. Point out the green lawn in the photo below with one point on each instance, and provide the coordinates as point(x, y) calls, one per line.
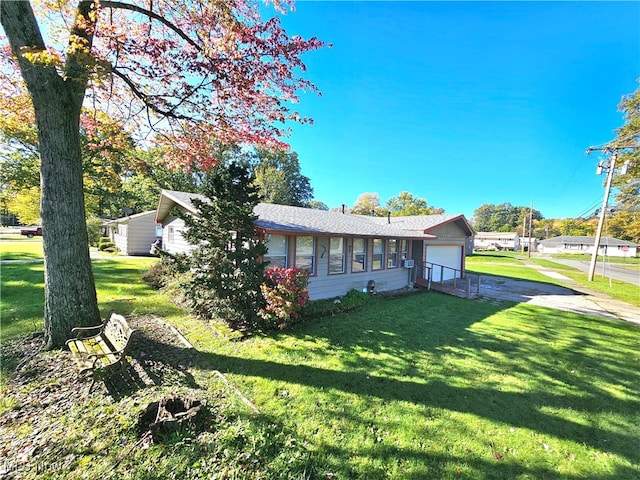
point(415, 387)
point(505, 264)
point(118, 285)
point(624, 260)
point(431, 386)
point(617, 289)
point(18, 247)
point(495, 258)
point(553, 265)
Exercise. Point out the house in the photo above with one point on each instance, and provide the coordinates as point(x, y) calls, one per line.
point(609, 246)
point(343, 251)
point(496, 241)
point(526, 241)
point(133, 235)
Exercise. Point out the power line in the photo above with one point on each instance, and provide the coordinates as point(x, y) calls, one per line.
point(589, 210)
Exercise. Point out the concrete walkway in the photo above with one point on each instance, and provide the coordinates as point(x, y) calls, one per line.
point(584, 300)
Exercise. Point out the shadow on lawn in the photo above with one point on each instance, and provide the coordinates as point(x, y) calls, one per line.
point(152, 363)
point(440, 466)
point(561, 381)
point(488, 403)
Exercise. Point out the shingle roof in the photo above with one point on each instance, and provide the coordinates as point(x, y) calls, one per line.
point(288, 219)
point(130, 217)
point(424, 223)
point(584, 240)
point(496, 235)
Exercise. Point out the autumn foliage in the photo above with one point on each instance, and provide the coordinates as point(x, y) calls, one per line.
point(181, 73)
point(285, 293)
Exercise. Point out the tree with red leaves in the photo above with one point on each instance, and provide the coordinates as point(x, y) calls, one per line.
point(185, 73)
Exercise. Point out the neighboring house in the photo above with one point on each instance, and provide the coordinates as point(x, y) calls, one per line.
point(526, 241)
point(133, 235)
point(342, 251)
point(585, 245)
point(496, 241)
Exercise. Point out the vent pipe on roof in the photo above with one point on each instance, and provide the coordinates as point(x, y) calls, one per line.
point(388, 216)
point(343, 207)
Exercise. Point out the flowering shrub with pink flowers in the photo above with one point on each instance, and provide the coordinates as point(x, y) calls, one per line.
point(285, 293)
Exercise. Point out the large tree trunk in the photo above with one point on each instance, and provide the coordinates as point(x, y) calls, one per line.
point(70, 295)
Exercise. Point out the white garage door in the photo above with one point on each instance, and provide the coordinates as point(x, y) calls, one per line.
point(448, 256)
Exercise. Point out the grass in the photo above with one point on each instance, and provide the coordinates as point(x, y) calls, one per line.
point(18, 247)
point(118, 287)
point(431, 386)
point(21, 299)
point(504, 257)
point(422, 386)
point(624, 260)
point(617, 289)
point(505, 264)
point(553, 265)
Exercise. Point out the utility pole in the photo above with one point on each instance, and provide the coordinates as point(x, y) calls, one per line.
point(603, 211)
point(530, 227)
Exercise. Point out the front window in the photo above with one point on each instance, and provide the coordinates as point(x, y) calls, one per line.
point(392, 253)
point(276, 250)
point(359, 257)
point(377, 262)
point(336, 255)
point(404, 249)
point(170, 234)
point(305, 253)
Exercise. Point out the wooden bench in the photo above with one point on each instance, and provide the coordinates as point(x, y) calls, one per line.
point(100, 348)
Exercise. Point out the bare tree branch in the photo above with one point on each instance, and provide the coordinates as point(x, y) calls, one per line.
point(145, 98)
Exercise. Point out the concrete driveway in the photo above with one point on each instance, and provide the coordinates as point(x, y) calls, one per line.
point(573, 297)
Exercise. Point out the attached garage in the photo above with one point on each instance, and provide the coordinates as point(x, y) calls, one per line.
point(444, 256)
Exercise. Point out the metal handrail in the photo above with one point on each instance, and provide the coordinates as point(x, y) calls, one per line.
point(427, 268)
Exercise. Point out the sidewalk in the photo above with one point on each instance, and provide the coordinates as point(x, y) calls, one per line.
point(595, 302)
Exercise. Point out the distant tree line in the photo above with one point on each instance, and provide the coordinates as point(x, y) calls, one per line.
point(505, 217)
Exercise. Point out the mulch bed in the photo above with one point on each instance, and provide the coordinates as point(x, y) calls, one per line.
point(43, 386)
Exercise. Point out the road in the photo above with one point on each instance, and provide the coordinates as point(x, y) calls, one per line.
point(611, 270)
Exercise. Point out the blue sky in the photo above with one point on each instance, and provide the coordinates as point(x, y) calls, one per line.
point(464, 103)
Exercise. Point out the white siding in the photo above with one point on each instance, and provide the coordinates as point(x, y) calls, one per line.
point(119, 237)
point(323, 285)
point(611, 251)
point(134, 235)
point(177, 244)
point(142, 233)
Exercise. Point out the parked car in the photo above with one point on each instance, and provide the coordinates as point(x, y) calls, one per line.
point(31, 232)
